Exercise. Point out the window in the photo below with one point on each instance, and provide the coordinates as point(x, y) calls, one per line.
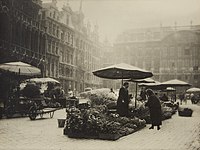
point(56, 48)
point(43, 15)
point(54, 14)
point(61, 56)
point(173, 64)
point(195, 68)
point(49, 46)
point(187, 51)
point(67, 20)
point(196, 77)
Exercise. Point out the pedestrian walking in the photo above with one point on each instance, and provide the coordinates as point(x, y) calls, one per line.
point(123, 100)
point(70, 93)
point(155, 109)
point(181, 97)
point(192, 98)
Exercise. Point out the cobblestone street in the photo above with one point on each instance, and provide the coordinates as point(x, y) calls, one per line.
point(177, 133)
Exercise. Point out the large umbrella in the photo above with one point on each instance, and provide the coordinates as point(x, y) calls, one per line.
point(175, 83)
point(147, 80)
point(193, 90)
point(153, 84)
point(169, 89)
point(122, 71)
point(43, 80)
point(20, 68)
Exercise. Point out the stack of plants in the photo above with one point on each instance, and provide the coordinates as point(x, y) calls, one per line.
point(96, 123)
point(142, 112)
point(101, 97)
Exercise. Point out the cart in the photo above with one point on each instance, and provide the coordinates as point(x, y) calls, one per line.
point(39, 108)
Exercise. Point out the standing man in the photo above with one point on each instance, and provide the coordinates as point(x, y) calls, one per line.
point(123, 100)
point(70, 93)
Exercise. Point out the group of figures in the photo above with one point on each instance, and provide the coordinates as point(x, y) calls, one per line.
point(153, 103)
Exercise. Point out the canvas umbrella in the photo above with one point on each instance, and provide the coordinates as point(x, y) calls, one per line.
point(147, 80)
point(43, 80)
point(20, 68)
point(193, 90)
point(122, 71)
point(175, 83)
point(156, 84)
point(169, 89)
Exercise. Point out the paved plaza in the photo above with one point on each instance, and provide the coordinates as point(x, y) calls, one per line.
point(178, 133)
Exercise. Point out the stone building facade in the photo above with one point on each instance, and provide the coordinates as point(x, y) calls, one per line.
point(169, 52)
point(73, 49)
point(22, 36)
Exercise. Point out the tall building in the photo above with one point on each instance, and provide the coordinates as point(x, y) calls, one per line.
point(60, 44)
point(169, 52)
point(22, 36)
point(73, 49)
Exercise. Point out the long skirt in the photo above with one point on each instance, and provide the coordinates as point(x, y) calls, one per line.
point(156, 116)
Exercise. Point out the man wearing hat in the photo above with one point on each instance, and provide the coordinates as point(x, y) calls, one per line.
point(123, 100)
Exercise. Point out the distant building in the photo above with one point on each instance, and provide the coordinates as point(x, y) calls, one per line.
point(169, 52)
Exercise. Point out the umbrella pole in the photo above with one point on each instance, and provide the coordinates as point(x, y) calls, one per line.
point(18, 86)
point(135, 94)
point(122, 79)
point(175, 94)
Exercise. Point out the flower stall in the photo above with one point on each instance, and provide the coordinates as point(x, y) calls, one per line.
point(96, 122)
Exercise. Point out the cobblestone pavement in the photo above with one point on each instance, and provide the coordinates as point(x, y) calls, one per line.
point(178, 133)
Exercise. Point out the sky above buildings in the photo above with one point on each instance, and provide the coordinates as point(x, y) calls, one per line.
point(115, 16)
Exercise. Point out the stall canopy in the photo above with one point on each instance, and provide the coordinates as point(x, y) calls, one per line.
point(122, 71)
point(155, 83)
point(169, 89)
point(175, 83)
point(20, 68)
point(43, 80)
point(146, 80)
point(193, 90)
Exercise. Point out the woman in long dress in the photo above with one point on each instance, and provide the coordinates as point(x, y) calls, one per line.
point(155, 109)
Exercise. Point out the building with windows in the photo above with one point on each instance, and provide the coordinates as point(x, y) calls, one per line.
point(60, 44)
point(73, 49)
point(169, 52)
point(22, 36)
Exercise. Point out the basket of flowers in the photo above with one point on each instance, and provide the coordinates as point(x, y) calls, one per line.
point(185, 112)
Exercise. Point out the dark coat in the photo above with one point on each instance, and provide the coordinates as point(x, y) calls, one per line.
point(155, 110)
point(122, 102)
